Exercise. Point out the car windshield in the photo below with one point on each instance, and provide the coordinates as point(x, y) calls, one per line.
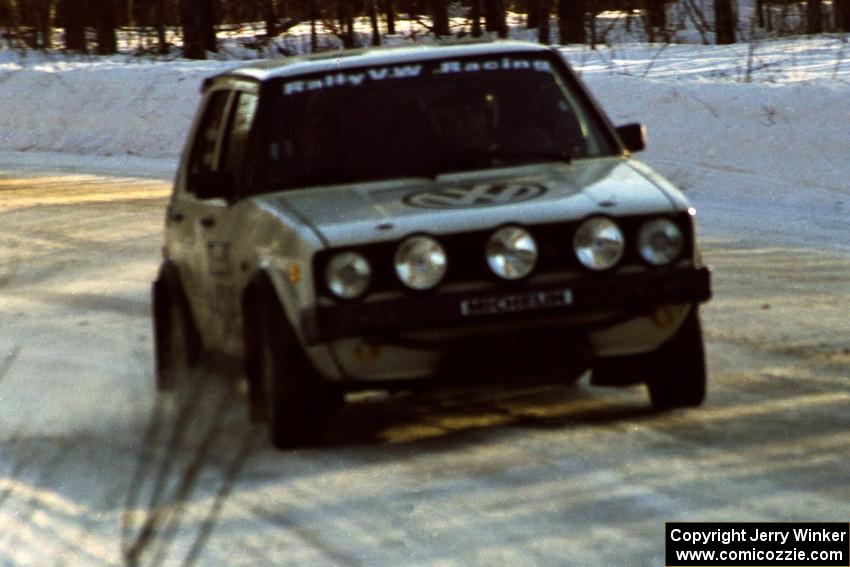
point(427, 118)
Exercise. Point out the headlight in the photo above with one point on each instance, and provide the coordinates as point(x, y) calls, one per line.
point(348, 275)
point(511, 252)
point(599, 243)
point(420, 262)
point(660, 241)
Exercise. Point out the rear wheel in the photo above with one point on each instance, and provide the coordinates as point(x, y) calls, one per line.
point(678, 372)
point(285, 389)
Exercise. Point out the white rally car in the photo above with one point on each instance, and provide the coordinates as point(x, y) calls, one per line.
point(379, 218)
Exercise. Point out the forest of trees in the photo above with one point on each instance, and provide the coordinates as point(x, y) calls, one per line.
point(91, 26)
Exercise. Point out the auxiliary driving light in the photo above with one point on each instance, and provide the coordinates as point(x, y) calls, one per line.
point(599, 243)
point(420, 262)
point(511, 252)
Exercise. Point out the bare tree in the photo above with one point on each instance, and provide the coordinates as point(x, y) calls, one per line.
point(31, 20)
point(7, 14)
point(571, 21)
point(656, 20)
point(313, 15)
point(389, 10)
point(72, 18)
point(440, 12)
point(107, 40)
point(543, 29)
point(842, 15)
point(532, 10)
point(198, 21)
point(373, 20)
point(724, 22)
point(44, 22)
point(814, 23)
point(345, 19)
point(270, 17)
point(159, 21)
point(494, 17)
point(475, 16)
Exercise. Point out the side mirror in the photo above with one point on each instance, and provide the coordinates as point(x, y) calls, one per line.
point(633, 136)
point(211, 185)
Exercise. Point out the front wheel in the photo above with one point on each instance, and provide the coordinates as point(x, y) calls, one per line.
point(678, 371)
point(286, 390)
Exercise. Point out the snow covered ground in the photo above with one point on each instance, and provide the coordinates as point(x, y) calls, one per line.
point(759, 139)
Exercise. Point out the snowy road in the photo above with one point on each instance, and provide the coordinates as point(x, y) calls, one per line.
point(94, 471)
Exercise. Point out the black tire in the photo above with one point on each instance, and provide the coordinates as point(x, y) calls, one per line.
point(290, 394)
point(678, 371)
point(175, 341)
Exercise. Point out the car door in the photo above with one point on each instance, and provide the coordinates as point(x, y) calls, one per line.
point(186, 211)
point(218, 220)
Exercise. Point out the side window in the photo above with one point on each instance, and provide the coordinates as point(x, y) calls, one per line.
point(236, 147)
point(206, 141)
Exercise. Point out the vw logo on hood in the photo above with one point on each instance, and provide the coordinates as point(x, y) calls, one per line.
point(475, 196)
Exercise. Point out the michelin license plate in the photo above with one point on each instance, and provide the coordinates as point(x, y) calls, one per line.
point(516, 302)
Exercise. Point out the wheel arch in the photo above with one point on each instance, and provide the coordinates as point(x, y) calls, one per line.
point(168, 288)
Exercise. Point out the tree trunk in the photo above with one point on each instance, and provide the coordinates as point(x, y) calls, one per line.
point(814, 23)
point(73, 20)
point(532, 8)
point(656, 20)
point(44, 22)
point(571, 21)
point(270, 16)
point(441, 17)
point(314, 15)
point(346, 23)
point(389, 10)
point(494, 17)
point(842, 15)
point(373, 20)
point(210, 18)
point(543, 34)
point(107, 42)
point(198, 32)
point(724, 22)
point(475, 15)
point(159, 26)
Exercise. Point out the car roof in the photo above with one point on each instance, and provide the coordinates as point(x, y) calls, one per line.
point(352, 58)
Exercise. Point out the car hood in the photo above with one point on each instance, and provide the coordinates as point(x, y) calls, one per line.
point(352, 214)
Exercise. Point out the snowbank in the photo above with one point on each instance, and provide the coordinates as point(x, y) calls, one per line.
point(112, 106)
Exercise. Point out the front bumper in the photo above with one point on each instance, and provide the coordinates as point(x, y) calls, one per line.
point(636, 293)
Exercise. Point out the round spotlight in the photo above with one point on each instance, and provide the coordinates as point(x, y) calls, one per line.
point(420, 262)
point(599, 243)
point(660, 242)
point(348, 275)
point(511, 252)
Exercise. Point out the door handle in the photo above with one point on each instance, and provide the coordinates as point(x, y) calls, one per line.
point(176, 217)
point(207, 222)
